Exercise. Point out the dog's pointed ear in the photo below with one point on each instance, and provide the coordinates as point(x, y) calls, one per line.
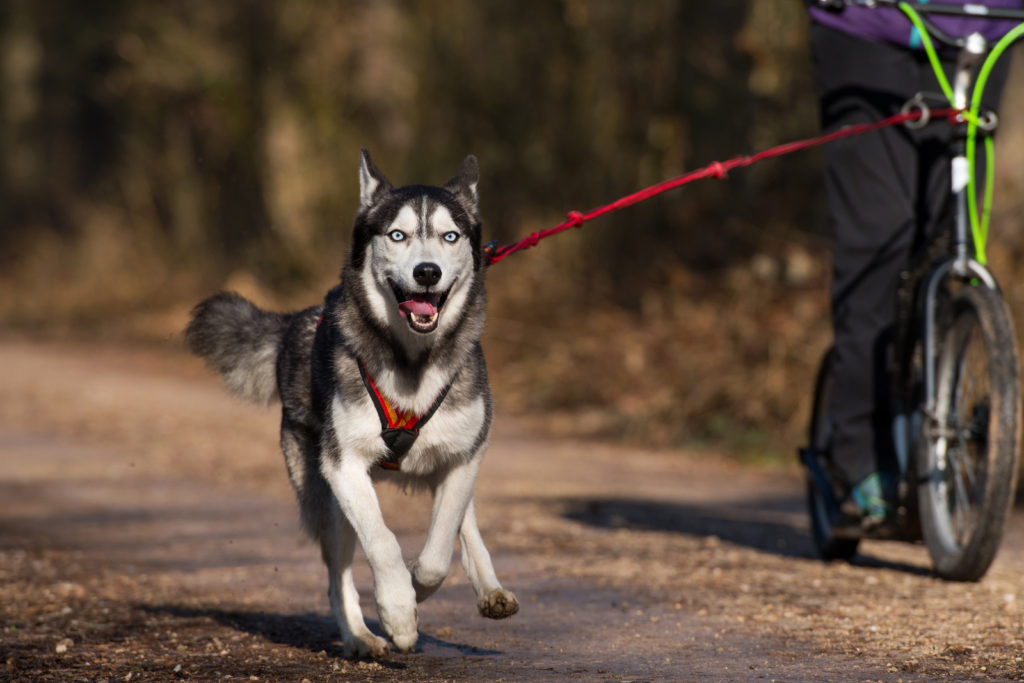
point(372, 183)
point(463, 184)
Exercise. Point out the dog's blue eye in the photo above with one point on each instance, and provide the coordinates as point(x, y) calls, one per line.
point(396, 235)
point(451, 237)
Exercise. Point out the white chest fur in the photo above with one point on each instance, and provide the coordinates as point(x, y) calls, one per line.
point(447, 438)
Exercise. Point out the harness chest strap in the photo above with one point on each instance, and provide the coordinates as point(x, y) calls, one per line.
point(398, 429)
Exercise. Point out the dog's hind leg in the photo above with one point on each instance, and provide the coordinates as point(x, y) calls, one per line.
point(337, 544)
point(493, 601)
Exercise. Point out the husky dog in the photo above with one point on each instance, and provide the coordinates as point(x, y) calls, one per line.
point(385, 381)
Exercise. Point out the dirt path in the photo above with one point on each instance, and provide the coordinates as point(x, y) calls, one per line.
point(147, 532)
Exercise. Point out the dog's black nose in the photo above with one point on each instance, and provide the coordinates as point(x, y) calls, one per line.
point(427, 274)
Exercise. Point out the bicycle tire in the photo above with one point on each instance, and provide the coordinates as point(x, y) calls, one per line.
point(826, 543)
point(967, 460)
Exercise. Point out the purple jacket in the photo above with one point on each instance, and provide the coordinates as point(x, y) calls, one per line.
point(891, 25)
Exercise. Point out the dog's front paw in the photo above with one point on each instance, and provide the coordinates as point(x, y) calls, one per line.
point(364, 646)
point(405, 641)
point(498, 604)
point(397, 611)
point(401, 629)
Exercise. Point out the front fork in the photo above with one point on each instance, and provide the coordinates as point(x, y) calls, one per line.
point(961, 267)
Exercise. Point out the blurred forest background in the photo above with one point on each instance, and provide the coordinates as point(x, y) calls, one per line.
point(155, 152)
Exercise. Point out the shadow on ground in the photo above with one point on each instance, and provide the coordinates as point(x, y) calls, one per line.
point(306, 631)
point(769, 525)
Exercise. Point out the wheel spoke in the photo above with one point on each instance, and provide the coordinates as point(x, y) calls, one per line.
point(965, 463)
point(962, 504)
point(965, 382)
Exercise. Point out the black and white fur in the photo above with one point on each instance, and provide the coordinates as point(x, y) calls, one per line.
point(330, 431)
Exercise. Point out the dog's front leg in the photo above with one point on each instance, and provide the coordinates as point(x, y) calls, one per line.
point(392, 585)
point(451, 496)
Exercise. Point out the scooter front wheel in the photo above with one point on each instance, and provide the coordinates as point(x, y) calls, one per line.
point(968, 453)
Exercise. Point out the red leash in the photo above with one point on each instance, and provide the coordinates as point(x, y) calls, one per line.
point(716, 169)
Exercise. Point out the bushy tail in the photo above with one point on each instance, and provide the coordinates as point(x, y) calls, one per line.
point(239, 341)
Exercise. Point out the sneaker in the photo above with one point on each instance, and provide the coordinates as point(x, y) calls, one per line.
point(872, 500)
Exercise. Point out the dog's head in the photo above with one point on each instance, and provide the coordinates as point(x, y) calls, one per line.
point(416, 249)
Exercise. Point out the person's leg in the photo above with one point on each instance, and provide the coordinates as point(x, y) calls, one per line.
point(871, 183)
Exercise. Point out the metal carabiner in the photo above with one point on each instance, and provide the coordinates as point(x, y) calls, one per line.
point(917, 102)
point(988, 120)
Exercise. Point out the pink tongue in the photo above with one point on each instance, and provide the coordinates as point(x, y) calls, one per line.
point(418, 306)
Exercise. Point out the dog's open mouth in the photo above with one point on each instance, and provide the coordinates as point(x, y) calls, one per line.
point(421, 309)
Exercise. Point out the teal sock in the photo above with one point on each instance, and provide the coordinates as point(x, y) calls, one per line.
point(869, 495)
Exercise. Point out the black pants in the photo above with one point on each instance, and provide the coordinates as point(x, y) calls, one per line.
point(887, 192)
